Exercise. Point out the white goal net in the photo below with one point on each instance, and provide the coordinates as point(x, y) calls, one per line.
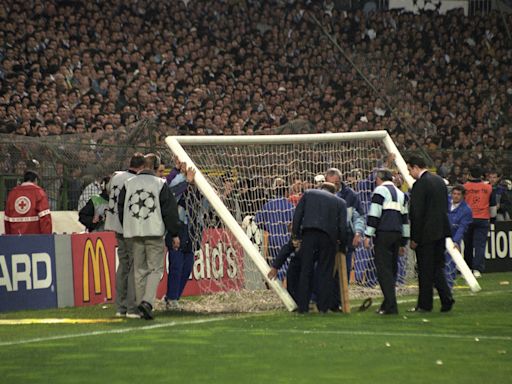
point(245, 194)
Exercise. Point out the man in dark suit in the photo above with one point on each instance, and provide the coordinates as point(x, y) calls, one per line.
point(428, 215)
point(320, 221)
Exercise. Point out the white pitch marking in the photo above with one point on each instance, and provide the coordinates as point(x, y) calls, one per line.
point(114, 331)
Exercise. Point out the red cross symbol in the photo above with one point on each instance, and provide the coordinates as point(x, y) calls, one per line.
point(22, 205)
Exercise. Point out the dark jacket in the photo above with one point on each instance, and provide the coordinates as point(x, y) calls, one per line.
point(321, 210)
point(428, 211)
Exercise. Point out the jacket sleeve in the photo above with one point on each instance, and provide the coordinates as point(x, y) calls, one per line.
point(86, 216)
point(169, 210)
point(285, 252)
point(45, 217)
point(465, 219)
point(417, 211)
point(297, 218)
point(120, 204)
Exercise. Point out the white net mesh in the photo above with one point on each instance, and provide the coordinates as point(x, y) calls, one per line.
point(260, 184)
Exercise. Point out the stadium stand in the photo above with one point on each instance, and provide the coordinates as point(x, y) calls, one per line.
point(438, 82)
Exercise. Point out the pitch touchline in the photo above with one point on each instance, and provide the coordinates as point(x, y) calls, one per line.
point(114, 331)
point(259, 331)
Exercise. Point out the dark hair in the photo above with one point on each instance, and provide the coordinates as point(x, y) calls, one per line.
point(30, 176)
point(137, 160)
point(475, 172)
point(384, 174)
point(415, 160)
point(459, 187)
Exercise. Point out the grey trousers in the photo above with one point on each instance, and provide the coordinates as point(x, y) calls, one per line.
point(148, 261)
point(125, 282)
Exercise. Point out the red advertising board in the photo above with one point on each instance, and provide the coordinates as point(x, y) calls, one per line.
point(218, 265)
point(94, 267)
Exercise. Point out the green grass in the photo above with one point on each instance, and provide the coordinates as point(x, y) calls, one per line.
point(472, 344)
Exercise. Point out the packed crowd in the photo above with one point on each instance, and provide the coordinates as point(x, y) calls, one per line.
point(249, 67)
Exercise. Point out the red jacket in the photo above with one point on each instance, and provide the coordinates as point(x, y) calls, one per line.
point(27, 211)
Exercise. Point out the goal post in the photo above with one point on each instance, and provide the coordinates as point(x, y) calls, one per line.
point(253, 169)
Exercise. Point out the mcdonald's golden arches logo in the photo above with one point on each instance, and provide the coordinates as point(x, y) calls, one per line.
point(96, 252)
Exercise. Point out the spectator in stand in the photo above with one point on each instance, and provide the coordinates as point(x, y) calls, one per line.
point(27, 211)
point(482, 201)
point(257, 67)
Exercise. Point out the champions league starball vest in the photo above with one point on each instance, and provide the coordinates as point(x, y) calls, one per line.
point(142, 212)
point(112, 222)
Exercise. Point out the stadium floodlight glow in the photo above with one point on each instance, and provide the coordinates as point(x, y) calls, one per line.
point(253, 163)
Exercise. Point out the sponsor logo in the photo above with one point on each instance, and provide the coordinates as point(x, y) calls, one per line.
point(95, 253)
point(34, 271)
point(22, 205)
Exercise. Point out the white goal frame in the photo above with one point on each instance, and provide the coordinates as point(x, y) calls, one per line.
point(175, 144)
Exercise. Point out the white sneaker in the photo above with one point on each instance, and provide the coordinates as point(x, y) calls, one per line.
point(477, 273)
point(133, 315)
point(173, 305)
point(120, 314)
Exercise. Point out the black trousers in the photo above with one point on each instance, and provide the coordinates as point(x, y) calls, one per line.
point(293, 276)
point(431, 260)
point(317, 247)
point(386, 248)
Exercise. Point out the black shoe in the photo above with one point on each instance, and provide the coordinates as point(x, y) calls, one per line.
point(448, 308)
point(384, 312)
point(147, 310)
point(418, 310)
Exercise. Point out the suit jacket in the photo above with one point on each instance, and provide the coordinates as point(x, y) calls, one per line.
point(319, 209)
point(428, 211)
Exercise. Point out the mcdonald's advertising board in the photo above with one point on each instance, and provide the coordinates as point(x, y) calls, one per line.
point(27, 272)
point(94, 267)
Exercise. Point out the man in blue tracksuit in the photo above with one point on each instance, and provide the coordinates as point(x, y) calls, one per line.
point(460, 217)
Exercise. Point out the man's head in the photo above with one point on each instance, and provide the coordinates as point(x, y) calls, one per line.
point(494, 178)
point(333, 176)
point(329, 187)
point(458, 192)
point(151, 162)
point(161, 170)
point(416, 165)
point(137, 162)
point(383, 175)
point(31, 176)
point(475, 172)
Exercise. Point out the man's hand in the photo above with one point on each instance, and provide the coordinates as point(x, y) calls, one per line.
point(413, 245)
point(367, 241)
point(191, 173)
point(401, 251)
point(357, 240)
point(272, 273)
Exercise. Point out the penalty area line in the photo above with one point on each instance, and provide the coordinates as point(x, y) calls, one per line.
point(117, 331)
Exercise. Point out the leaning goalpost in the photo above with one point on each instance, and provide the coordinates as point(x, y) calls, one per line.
point(237, 175)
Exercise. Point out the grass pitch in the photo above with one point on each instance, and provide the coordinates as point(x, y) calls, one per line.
point(472, 344)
